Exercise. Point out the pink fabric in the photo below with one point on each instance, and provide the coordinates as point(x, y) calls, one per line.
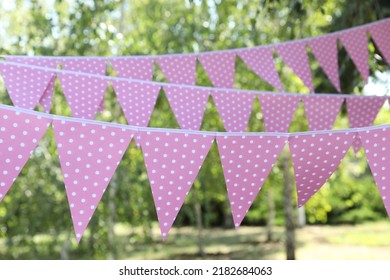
point(234, 107)
point(362, 112)
point(219, 67)
point(380, 33)
point(376, 144)
point(179, 69)
point(295, 56)
point(25, 85)
point(261, 61)
point(137, 100)
point(315, 157)
point(139, 68)
point(89, 155)
point(173, 161)
point(278, 111)
point(355, 43)
point(85, 65)
point(326, 52)
point(20, 133)
point(47, 96)
point(83, 93)
point(246, 163)
point(188, 105)
point(321, 111)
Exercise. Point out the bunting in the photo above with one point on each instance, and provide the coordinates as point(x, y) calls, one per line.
point(380, 33)
point(140, 68)
point(180, 69)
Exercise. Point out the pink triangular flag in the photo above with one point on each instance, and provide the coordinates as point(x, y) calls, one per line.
point(179, 69)
point(89, 155)
point(25, 85)
point(219, 67)
point(315, 158)
point(246, 163)
point(84, 93)
point(47, 96)
point(188, 105)
point(139, 68)
point(322, 110)
point(278, 111)
point(295, 56)
point(325, 51)
point(20, 133)
point(376, 143)
point(137, 100)
point(261, 61)
point(234, 107)
point(173, 161)
point(362, 112)
point(355, 43)
point(380, 32)
point(85, 65)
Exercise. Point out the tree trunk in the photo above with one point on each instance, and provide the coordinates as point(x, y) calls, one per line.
point(65, 248)
point(288, 209)
point(271, 215)
point(301, 217)
point(199, 224)
point(111, 218)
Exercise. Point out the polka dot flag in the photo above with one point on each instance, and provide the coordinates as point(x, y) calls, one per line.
point(178, 69)
point(139, 68)
point(172, 161)
point(89, 155)
point(234, 107)
point(188, 105)
point(25, 85)
point(376, 145)
point(380, 33)
point(246, 163)
point(20, 133)
point(315, 157)
point(219, 67)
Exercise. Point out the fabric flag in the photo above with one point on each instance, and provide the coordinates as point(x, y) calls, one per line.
point(246, 163)
point(139, 68)
point(321, 111)
point(25, 85)
point(261, 61)
point(47, 96)
point(84, 93)
point(188, 105)
point(234, 107)
point(178, 69)
point(295, 56)
point(219, 67)
point(355, 43)
point(362, 112)
point(380, 33)
point(315, 157)
point(89, 155)
point(325, 50)
point(278, 111)
point(20, 133)
point(376, 144)
point(137, 100)
point(172, 161)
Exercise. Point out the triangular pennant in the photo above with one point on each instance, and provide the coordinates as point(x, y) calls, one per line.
point(362, 112)
point(376, 145)
point(84, 93)
point(295, 56)
point(325, 51)
point(188, 105)
point(140, 68)
point(85, 65)
point(25, 85)
point(47, 95)
point(355, 43)
point(36, 61)
point(179, 69)
point(234, 107)
point(20, 133)
point(321, 111)
point(246, 163)
point(261, 61)
point(173, 161)
point(89, 155)
point(137, 100)
point(315, 158)
point(380, 32)
point(219, 67)
point(278, 111)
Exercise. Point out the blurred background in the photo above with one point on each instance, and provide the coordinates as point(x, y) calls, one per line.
point(346, 219)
